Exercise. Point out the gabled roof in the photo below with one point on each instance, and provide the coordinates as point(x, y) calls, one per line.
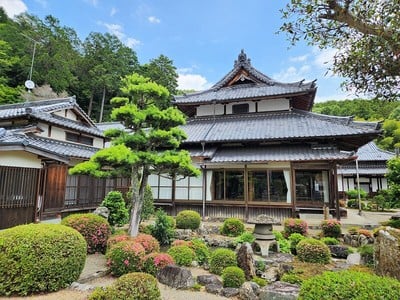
point(246, 82)
point(49, 148)
point(43, 110)
point(371, 152)
point(283, 126)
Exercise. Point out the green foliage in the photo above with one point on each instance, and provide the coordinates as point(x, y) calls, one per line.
point(292, 278)
point(293, 225)
point(148, 205)
point(284, 244)
point(367, 254)
point(393, 176)
point(245, 237)
point(201, 250)
point(313, 251)
point(349, 285)
point(260, 281)
point(163, 229)
point(39, 258)
point(220, 259)
point(188, 219)
point(294, 239)
point(125, 257)
point(395, 223)
point(182, 255)
point(132, 286)
point(115, 202)
point(353, 194)
point(233, 277)
point(232, 227)
point(330, 241)
point(94, 228)
point(153, 262)
point(260, 265)
point(331, 228)
point(116, 238)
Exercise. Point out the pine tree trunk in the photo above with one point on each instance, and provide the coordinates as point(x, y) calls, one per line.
point(103, 100)
point(89, 112)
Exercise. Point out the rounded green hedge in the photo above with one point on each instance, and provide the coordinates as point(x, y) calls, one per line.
point(220, 259)
point(188, 219)
point(313, 251)
point(349, 285)
point(95, 229)
point(132, 286)
point(183, 255)
point(39, 258)
point(232, 227)
point(233, 277)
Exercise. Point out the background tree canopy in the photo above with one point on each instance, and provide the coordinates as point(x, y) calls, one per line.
point(366, 34)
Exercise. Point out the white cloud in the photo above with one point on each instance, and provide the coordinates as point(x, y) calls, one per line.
point(13, 7)
point(113, 11)
point(93, 2)
point(300, 58)
point(193, 82)
point(154, 20)
point(324, 57)
point(293, 74)
point(118, 31)
point(132, 43)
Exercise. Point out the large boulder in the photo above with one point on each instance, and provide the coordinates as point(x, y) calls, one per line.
point(280, 291)
point(176, 277)
point(387, 252)
point(245, 260)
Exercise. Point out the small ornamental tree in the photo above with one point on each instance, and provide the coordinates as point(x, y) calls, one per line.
point(119, 214)
point(148, 144)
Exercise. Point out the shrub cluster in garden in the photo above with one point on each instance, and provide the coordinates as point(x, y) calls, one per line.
point(232, 227)
point(367, 254)
point(395, 223)
point(148, 204)
point(331, 228)
point(220, 259)
point(94, 228)
point(313, 251)
point(116, 238)
point(125, 257)
point(163, 229)
point(346, 285)
point(233, 277)
point(39, 258)
point(245, 237)
point(201, 250)
point(294, 225)
point(188, 219)
point(294, 239)
point(154, 262)
point(330, 241)
point(132, 286)
point(119, 214)
point(284, 244)
point(365, 232)
point(183, 255)
point(149, 243)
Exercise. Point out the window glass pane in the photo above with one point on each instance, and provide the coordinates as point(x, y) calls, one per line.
point(240, 108)
point(234, 185)
point(278, 188)
point(181, 193)
point(312, 186)
point(196, 193)
point(218, 180)
point(258, 182)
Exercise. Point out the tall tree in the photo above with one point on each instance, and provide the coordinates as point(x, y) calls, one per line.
point(106, 60)
point(365, 33)
point(161, 70)
point(149, 144)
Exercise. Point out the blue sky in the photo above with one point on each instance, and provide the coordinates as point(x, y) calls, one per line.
point(203, 38)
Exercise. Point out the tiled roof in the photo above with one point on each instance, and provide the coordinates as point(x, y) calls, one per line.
point(272, 126)
point(362, 171)
point(371, 152)
point(62, 149)
point(43, 110)
point(277, 153)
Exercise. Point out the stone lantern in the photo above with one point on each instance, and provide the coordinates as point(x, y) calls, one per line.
point(263, 233)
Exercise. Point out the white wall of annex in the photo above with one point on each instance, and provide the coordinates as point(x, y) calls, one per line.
point(19, 159)
point(273, 105)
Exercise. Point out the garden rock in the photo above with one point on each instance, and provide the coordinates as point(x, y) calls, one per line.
point(184, 234)
point(102, 211)
point(338, 251)
point(387, 252)
point(279, 291)
point(396, 216)
point(214, 288)
point(230, 292)
point(206, 229)
point(81, 287)
point(220, 241)
point(176, 277)
point(245, 260)
point(277, 259)
point(249, 291)
point(357, 240)
point(353, 259)
point(271, 274)
point(208, 279)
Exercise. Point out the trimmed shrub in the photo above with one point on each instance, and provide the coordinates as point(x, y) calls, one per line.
point(232, 227)
point(148, 204)
point(331, 228)
point(348, 285)
point(125, 257)
point(330, 241)
point(163, 229)
point(201, 250)
point(188, 219)
point(293, 225)
point(395, 223)
point(353, 194)
point(284, 244)
point(132, 286)
point(116, 238)
point(149, 243)
point(154, 262)
point(95, 229)
point(183, 255)
point(313, 251)
point(220, 259)
point(294, 239)
point(260, 281)
point(245, 237)
point(233, 277)
point(39, 258)
point(365, 232)
point(119, 214)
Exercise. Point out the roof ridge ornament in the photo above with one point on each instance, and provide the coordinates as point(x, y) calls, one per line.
point(242, 60)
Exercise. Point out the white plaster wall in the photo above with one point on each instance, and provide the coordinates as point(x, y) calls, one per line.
point(19, 159)
point(273, 105)
point(70, 114)
point(252, 106)
point(210, 110)
point(57, 133)
point(98, 143)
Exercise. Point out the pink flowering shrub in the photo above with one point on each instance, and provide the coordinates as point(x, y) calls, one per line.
point(292, 225)
point(125, 257)
point(365, 232)
point(114, 239)
point(331, 228)
point(149, 243)
point(94, 228)
point(154, 262)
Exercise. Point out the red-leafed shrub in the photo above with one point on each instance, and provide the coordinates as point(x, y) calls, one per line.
point(154, 262)
point(149, 243)
point(125, 257)
point(114, 239)
point(181, 243)
point(331, 228)
point(292, 225)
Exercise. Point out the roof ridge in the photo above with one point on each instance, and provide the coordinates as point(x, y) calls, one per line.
point(36, 103)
